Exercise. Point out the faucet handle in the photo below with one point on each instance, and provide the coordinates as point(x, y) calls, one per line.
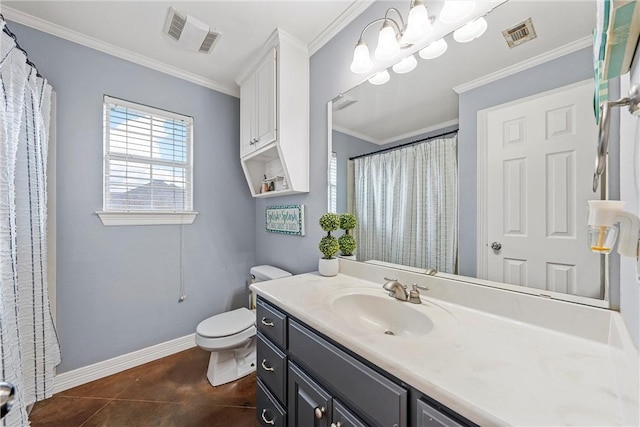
point(416, 287)
point(390, 280)
point(414, 295)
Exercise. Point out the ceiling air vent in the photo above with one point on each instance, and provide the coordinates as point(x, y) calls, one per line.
point(342, 102)
point(520, 33)
point(190, 32)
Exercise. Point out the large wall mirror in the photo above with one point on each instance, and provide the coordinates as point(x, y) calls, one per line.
point(478, 163)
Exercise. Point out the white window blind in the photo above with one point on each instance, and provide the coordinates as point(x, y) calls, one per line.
point(147, 159)
point(333, 183)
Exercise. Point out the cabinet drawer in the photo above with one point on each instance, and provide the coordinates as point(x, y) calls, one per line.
point(269, 411)
point(272, 367)
point(376, 399)
point(342, 417)
point(272, 323)
point(428, 416)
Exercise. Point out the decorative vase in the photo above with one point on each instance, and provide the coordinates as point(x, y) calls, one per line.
point(328, 267)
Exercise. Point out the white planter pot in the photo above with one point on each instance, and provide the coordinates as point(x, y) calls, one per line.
point(351, 257)
point(328, 267)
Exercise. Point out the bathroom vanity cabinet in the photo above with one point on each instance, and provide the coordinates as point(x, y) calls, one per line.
point(304, 379)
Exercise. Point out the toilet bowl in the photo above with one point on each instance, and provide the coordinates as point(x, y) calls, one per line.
point(230, 336)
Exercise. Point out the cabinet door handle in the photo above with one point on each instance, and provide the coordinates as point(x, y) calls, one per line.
point(265, 367)
point(338, 424)
point(319, 412)
point(272, 421)
point(266, 322)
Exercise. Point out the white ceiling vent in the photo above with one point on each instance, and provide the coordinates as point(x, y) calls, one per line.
point(520, 33)
point(189, 32)
point(342, 102)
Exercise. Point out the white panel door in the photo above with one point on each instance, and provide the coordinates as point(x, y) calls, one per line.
point(539, 176)
point(266, 100)
point(248, 111)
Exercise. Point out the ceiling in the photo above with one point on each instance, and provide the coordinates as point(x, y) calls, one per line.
point(424, 99)
point(133, 30)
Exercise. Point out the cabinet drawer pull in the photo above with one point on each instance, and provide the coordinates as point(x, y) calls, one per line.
point(319, 412)
point(272, 421)
point(265, 367)
point(266, 322)
point(338, 424)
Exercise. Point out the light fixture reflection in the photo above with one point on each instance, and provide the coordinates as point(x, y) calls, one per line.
point(455, 11)
point(361, 60)
point(434, 50)
point(406, 65)
point(418, 24)
point(471, 31)
point(388, 45)
point(380, 78)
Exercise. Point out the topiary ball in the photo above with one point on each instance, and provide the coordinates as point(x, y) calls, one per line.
point(329, 246)
point(347, 244)
point(330, 222)
point(348, 221)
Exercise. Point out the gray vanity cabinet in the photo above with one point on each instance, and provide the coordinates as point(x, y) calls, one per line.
point(305, 380)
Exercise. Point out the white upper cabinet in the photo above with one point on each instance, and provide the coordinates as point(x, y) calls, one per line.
point(258, 106)
point(274, 118)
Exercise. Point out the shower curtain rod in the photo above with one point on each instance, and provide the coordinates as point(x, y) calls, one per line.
point(404, 145)
point(8, 32)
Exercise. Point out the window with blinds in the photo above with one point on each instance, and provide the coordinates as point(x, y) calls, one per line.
point(333, 183)
point(147, 158)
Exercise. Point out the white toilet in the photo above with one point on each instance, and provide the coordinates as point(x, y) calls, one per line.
point(231, 336)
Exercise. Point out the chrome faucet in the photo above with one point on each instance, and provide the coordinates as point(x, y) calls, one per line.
point(396, 289)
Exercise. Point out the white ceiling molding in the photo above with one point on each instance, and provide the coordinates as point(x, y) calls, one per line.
point(352, 12)
point(422, 131)
point(521, 66)
point(416, 132)
point(355, 134)
point(76, 37)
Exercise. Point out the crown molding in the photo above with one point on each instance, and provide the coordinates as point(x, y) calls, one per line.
point(93, 43)
point(524, 65)
point(420, 131)
point(355, 134)
point(345, 18)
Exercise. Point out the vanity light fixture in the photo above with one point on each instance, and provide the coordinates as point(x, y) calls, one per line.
point(393, 36)
point(405, 65)
point(455, 11)
point(380, 78)
point(434, 50)
point(470, 31)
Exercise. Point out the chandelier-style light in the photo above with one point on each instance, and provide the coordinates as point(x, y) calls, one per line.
point(394, 36)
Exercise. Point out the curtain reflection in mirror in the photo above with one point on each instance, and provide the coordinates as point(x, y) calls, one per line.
point(406, 203)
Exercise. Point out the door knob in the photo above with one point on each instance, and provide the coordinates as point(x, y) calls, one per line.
point(7, 398)
point(496, 246)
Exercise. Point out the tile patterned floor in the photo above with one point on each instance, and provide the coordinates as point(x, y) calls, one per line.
point(172, 391)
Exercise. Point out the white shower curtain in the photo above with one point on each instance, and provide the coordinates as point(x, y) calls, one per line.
point(29, 350)
point(406, 202)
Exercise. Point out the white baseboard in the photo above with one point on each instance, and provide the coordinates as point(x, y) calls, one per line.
point(67, 380)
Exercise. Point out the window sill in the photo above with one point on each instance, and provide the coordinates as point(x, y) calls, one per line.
point(146, 218)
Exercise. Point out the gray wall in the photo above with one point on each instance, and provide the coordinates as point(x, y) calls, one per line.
point(347, 146)
point(118, 287)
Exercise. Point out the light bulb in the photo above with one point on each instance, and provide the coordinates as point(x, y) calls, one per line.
point(380, 78)
point(406, 65)
point(361, 60)
point(470, 31)
point(455, 11)
point(434, 50)
point(418, 24)
point(388, 45)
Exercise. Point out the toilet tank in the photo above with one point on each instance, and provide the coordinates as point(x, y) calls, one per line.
point(260, 273)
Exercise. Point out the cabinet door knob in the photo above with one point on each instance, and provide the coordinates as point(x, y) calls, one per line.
point(272, 421)
point(266, 322)
point(319, 412)
point(338, 424)
point(265, 367)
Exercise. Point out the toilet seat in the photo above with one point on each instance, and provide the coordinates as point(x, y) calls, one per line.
point(226, 330)
point(226, 324)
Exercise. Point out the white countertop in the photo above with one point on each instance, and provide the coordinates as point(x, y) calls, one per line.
point(492, 369)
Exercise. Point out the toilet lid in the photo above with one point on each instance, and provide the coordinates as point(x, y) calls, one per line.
point(225, 324)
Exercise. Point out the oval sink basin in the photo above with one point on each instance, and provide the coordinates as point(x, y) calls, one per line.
point(381, 313)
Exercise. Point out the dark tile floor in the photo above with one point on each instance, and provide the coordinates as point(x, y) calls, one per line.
point(172, 391)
